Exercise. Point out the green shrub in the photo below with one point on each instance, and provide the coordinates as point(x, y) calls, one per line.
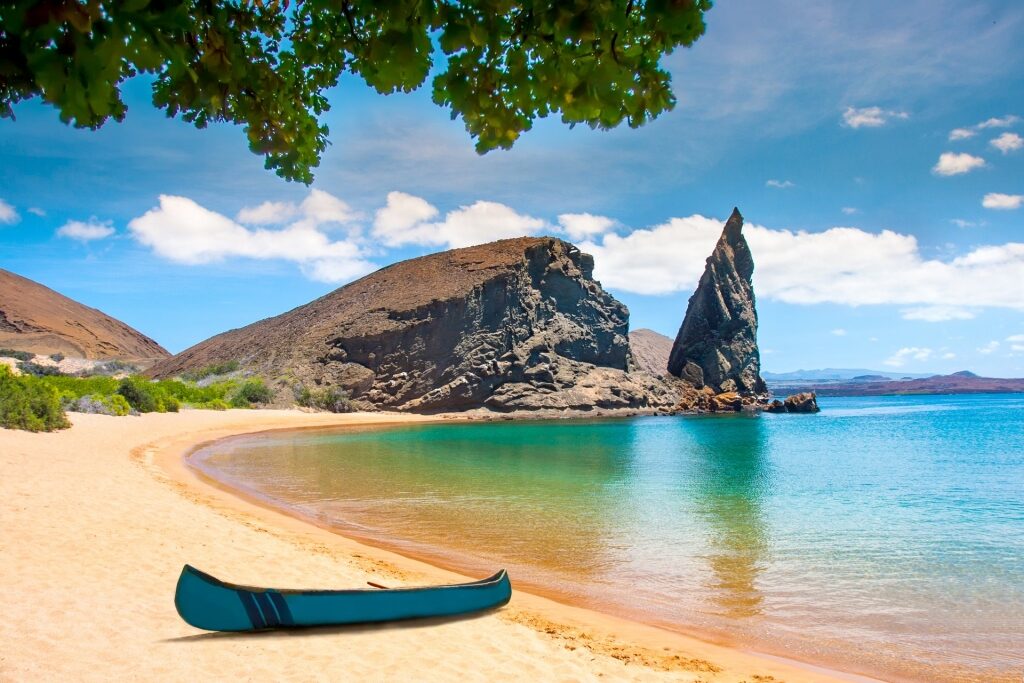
point(329, 398)
point(215, 404)
point(137, 394)
point(110, 367)
point(30, 368)
point(25, 403)
point(20, 355)
point(252, 392)
point(210, 370)
point(99, 405)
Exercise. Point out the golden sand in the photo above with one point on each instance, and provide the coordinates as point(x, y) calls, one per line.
point(97, 521)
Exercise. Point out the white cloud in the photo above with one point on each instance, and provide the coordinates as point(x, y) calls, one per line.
point(961, 134)
point(580, 226)
point(849, 210)
point(870, 117)
point(839, 332)
point(1016, 339)
point(182, 231)
point(36, 211)
point(7, 213)
point(991, 347)
point(267, 213)
point(1006, 202)
point(907, 353)
point(961, 223)
point(949, 355)
point(937, 314)
point(317, 209)
point(780, 184)
point(1004, 122)
point(1007, 142)
point(86, 231)
point(971, 131)
point(952, 163)
point(403, 221)
point(841, 265)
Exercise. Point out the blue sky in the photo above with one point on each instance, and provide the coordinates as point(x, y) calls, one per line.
point(882, 238)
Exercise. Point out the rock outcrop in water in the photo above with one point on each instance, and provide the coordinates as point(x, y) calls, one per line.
point(518, 324)
point(716, 346)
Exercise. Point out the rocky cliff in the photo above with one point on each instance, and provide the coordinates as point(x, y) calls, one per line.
point(518, 324)
point(37, 319)
point(716, 346)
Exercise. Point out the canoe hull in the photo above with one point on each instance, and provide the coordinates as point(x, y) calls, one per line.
point(213, 605)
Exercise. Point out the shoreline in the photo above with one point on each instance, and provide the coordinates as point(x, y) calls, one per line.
point(197, 520)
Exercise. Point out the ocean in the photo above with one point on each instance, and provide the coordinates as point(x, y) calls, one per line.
point(883, 536)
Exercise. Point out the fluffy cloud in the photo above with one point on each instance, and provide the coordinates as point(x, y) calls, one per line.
point(318, 208)
point(182, 231)
point(951, 163)
point(900, 358)
point(870, 117)
point(581, 226)
point(989, 348)
point(971, 131)
point(86, 231)
point(267, 213)
point(1002, 122)
point(405, 220)
point(1016, 342)
point(780, 184)
point(839, 332)
point(7, 213)
point(1007, 142)
point(841, 265)
point(849, 210)
point(36, 211)
point(937, 314)
point(1006, 202)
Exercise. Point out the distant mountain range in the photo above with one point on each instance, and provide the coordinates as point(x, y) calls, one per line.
point(835, 374)
point(963, 382)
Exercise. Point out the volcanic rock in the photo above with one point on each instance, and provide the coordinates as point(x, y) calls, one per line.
point(518, 324)
point(717, 342)
point(776, 406)
point(37, 319)
point(806, 402)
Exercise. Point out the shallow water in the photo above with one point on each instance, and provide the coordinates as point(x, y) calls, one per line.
point(884, 535)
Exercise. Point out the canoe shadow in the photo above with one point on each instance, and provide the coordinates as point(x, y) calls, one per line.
point(315, 631)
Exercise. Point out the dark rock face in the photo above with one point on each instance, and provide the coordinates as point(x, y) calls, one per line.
point(717, 342)
point(806, 402)
point(776, 406)
point(518, 324)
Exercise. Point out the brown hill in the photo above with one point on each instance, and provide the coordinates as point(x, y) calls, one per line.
point(515, 324)
point(37, 319)
point(650, 350)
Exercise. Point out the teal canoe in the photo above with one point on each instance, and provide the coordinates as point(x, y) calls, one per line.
point(213, 605)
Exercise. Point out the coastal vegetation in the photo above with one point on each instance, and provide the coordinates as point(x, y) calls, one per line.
point(26, 403)
point(38, 401)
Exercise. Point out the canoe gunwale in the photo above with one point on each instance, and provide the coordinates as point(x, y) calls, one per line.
point(497, 578)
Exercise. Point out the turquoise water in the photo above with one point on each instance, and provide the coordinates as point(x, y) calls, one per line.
point(884, 535)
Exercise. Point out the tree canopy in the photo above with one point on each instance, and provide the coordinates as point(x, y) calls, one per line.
point(266, 65)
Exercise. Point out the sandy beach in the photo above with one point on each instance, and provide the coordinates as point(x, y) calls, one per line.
point(99, 519)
